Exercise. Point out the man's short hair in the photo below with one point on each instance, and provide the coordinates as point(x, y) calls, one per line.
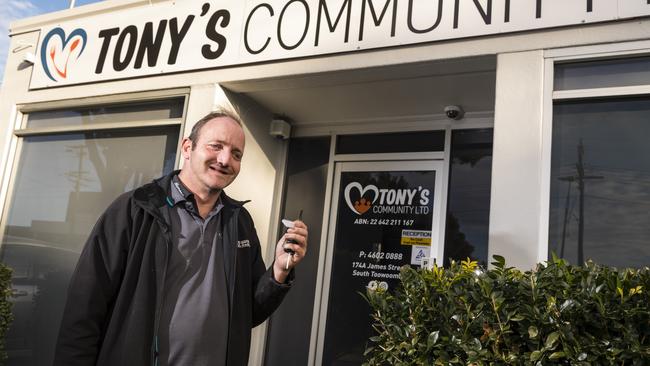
point(219, 113)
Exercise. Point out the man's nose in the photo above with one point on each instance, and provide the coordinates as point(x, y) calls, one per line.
point(223, 157)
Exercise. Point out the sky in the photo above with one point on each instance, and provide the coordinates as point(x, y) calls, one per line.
point(11, 10)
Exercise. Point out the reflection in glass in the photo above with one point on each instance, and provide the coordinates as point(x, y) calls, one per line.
point(62, 185)
point(600, 182)
point(132, 112)
point(602, 73)
point(468, 201)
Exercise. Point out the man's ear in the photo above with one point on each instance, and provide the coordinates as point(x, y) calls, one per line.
point(186, 148)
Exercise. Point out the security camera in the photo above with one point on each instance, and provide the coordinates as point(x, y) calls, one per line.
point(29, 58)
point(280, 129)
point(455, 112)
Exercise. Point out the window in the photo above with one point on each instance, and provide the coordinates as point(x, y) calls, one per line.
point(600, 164)
point(396, 142)
point(468, 201)
point(63, 181)
point(602, 73)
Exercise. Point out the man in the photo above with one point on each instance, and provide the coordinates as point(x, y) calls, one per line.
point(172, 273)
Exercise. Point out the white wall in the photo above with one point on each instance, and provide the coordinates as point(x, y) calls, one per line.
point(515, 204)
point(260, 180)
point(14, 85)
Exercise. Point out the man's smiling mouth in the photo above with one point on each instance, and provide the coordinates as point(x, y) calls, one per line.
point(220, 170)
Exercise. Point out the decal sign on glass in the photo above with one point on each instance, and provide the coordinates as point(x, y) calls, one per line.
point(384, 221)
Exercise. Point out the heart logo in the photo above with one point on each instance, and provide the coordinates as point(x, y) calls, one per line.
point(363, 204)
point(58, 50)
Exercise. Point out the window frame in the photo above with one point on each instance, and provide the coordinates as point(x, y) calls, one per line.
point(575, 54)
point(21, 115)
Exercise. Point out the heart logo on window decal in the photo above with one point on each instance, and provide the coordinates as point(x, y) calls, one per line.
point(363, 204)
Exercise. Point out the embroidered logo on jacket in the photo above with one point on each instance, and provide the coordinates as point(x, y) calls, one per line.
point(243, 243)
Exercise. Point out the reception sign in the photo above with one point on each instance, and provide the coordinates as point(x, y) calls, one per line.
point(384, 221)
point(177, 36)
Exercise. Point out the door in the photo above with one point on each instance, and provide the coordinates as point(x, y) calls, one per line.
point(384, 215)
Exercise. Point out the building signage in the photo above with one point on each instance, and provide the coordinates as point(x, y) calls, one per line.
point(384, 222)
point(178, 36)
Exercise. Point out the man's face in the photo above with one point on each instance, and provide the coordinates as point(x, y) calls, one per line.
point(215, 160)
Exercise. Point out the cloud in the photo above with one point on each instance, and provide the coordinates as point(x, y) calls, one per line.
point(12, 10)
point(21, 5)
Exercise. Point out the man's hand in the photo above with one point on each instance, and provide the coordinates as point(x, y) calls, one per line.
point(284, 261)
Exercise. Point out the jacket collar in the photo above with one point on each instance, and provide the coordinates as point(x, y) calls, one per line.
point(156, 196)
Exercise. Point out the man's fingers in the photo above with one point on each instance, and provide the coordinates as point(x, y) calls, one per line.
point(300, 231)
point(299, 224)
point(296, 237)
point(299, 227)
point(295, 247)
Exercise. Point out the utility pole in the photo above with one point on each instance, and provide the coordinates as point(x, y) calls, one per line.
point(580, 178)
point(78, 177)
point(569, 179)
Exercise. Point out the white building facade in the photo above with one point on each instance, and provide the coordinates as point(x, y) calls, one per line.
point(419, 131)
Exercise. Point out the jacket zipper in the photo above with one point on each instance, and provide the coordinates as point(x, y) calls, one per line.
point(156, 349)
point(165, 227)
point(231, 286)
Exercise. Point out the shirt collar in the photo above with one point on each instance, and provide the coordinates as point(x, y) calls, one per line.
point(179, 191)
point(181, 194)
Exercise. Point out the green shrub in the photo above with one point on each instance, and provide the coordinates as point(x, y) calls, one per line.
point(5, 308)
point(557, 314)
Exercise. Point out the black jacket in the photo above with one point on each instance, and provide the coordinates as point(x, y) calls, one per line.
point(114, 298)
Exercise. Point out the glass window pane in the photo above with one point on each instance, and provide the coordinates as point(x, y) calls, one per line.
point(602, 73)
point(132, 112)
point(391, 142)
point(600, 182)
point(468, 201)
point(62, 185)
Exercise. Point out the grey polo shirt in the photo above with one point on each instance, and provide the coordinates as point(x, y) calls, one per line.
point(194, 322)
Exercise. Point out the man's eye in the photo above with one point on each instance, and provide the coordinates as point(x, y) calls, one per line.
point(215, 147)
point(237, 156)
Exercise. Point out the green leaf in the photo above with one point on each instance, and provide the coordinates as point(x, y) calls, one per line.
point(499, 262)
point(557, 355)
point(551, 340)
point(582, 356)
point(477, 344)
point(433, 338)
point(512, 358)
point(566, 305)
point(533, 332)
point(535, 355)
point(517, 318)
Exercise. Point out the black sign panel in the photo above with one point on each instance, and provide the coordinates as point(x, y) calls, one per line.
point(384, 222)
